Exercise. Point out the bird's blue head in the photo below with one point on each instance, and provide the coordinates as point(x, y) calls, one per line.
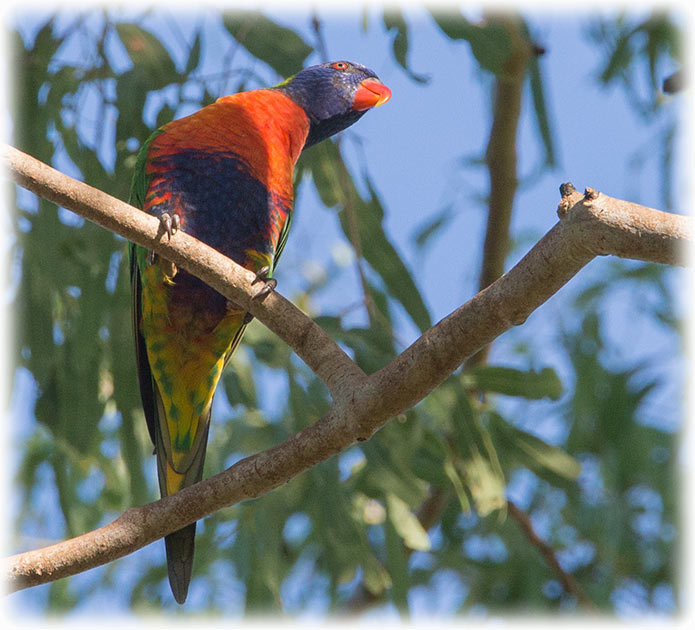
point(334, 95)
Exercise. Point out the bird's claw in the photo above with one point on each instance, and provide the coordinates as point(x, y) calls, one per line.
point(262, 273)
point(170, 223)
point(269, 284)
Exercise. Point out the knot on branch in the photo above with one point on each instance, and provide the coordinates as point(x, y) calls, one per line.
point(570, 196)
point(591, 194)
point(567, 189)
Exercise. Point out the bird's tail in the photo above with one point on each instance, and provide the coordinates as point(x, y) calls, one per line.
point(180, 544)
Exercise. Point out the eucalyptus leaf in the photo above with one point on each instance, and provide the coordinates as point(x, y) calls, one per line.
point(362, 219)
point(540, 111)
point(281, 48)
point(147, 54)
point(397, 563)
point(194, 55)
point(406, 524)
point(433, 226)
point(486, 485)
point(534, 452)
point(514, 382)
point(394, 21)
point(489, 42)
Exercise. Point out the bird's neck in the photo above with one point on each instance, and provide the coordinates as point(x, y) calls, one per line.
point(282, 124)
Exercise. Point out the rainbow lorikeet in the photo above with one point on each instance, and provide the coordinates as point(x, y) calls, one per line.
point(223, 175)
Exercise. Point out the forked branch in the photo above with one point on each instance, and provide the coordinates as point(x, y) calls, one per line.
point(591, 224)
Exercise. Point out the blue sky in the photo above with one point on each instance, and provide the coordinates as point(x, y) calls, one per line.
point(415, 148)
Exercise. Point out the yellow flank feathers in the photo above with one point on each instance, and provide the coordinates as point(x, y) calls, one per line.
point(184, 352)
point(174, 480)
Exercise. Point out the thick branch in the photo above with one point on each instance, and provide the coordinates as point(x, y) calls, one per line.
point(592, 225)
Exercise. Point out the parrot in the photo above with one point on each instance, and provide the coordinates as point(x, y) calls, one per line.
point(224, 175)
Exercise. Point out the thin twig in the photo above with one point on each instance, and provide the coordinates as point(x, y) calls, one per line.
point(569, 584)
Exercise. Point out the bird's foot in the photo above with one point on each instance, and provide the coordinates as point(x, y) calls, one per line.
point(269, 284)
point(170, 223)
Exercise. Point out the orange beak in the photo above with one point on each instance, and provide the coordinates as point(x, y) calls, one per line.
point(370, 93)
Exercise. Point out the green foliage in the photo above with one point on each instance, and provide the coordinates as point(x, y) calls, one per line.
point(362, 223)
point(540, 110)
point(513, 382)
point(147, 53)
point(551, 463)
point(433, 226)
point(638, 54)
point(654, 39)
point(491, 45)
point(281, 48)
point(489, 42)
point(394, 21)
point(349, 530)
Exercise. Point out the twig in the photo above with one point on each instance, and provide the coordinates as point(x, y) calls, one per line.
point(569, 584)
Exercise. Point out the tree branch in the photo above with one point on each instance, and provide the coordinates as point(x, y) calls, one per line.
point(590, 225)
point(569, 584)
point(501, 159)
point(500, 156)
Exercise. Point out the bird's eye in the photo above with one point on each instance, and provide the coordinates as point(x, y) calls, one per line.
point(340, 65)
